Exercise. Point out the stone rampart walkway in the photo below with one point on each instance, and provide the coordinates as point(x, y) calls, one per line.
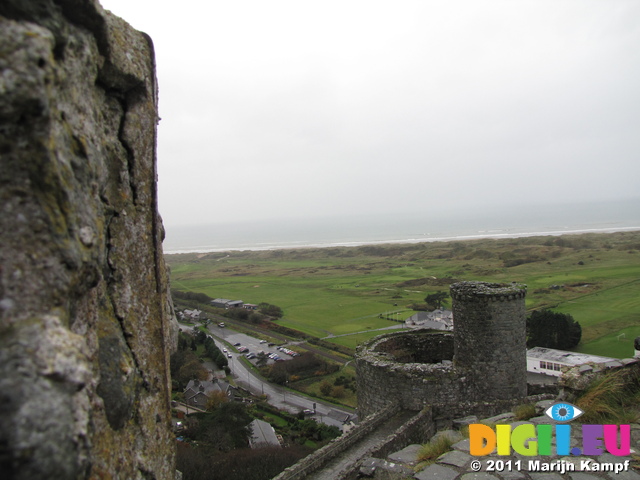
point(336, 467)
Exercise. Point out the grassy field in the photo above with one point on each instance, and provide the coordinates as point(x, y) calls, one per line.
point(337, 291)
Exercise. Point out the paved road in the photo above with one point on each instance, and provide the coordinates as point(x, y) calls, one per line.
point(258, 331)
point(277, 396)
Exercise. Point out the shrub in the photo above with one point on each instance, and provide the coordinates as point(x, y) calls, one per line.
point(337, 392)
point(612, 398)
point(525, 412)
point(432, 450)
point(325, 388)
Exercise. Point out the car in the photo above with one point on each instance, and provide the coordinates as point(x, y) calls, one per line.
point(270, 344)
point(224, 350)
point(308, 411)
point(237, 344)
point(229, 355)
point(221, 325)
point(263, 341)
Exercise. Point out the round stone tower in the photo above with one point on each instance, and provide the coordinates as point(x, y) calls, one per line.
point(490, 338)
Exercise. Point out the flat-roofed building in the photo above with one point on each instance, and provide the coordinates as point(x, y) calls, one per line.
point(550, 361)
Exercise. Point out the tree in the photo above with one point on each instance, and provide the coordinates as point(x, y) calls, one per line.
point(436, 300)
point(326, 388)
point(271, 310)
point(225, 428)
point(185, 366)
point(552, 330)
point(262, 359)
point(216, 399)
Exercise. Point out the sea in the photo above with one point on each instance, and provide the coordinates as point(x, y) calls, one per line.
point(404, 227)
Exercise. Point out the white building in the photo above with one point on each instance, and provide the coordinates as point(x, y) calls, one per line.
point(436, 320)
point(550, 361)
point(191, 314)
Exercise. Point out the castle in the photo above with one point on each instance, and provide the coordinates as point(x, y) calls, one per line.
point(483, 362)
point(86, 321)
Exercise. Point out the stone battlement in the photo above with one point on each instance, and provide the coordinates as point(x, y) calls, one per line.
point(484, 291)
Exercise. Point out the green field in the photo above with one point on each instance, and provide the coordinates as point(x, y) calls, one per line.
point(336, 291)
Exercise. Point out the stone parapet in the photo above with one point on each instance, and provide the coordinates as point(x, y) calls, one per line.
point(337, 446)
point(483, 361)
point(484, 291)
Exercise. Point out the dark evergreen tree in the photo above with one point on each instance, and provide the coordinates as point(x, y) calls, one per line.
point(552, 330)
point(436, 300)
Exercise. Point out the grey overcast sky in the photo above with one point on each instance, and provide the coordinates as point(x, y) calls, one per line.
point(275, 109)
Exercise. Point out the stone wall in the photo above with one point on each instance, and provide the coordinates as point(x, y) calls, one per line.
point(381, 379)
point(86, 319)
point(490, 338)
point(482, 364)
point(336, 447)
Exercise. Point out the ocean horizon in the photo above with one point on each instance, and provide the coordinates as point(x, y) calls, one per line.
point(357, 230)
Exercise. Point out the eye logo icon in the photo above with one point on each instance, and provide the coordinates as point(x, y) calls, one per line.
point(563, 412)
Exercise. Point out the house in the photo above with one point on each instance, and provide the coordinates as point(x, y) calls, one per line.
point(250, 306)
point(262, 435)
point(191, 314)
point(226, 303)
point(436, 320)
point(220, 302)
point(550, 361)
point(197, 392)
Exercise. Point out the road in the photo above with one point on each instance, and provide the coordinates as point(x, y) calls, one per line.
point(248, 327)
point(278, 396)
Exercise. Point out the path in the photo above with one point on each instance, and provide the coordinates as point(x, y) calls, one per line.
point(392, 327)
point(345, 460)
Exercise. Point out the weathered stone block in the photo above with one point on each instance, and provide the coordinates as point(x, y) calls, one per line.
point(86, 323)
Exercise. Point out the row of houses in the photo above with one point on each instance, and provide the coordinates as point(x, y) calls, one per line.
point(226, 304)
